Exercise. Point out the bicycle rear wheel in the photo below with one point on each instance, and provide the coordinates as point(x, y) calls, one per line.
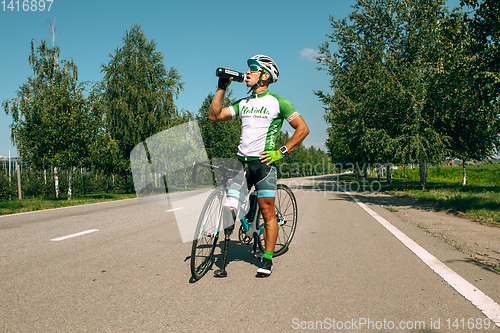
point(286, 214)
point(207, 234)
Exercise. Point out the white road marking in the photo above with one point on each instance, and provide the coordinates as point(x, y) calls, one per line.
point(471, 293)
point(74, 235)
point(173, 210)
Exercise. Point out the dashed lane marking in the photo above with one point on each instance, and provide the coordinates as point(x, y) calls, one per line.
point(74, 235)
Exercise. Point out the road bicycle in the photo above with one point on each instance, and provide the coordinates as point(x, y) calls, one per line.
point(210, 223)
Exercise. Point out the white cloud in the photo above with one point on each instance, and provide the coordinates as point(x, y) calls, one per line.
point(309, 54)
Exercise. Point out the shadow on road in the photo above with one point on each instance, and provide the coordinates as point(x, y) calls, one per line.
point(394, 202)
point(236, 252)
point(474, 262)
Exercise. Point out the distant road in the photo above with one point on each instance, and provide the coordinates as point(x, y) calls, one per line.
point(122, 267)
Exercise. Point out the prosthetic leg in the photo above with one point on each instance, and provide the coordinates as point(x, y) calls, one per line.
point(229, 217)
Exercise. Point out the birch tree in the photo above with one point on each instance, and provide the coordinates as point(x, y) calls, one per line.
point(52, 124)
point(380, 83)
point(138, 95)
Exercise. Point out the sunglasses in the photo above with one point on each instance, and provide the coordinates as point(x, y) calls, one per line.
point(255, 68)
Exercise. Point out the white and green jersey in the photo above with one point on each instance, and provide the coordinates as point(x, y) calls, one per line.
point(261, 116)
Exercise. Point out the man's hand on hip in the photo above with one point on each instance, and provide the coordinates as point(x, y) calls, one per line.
point(270, 156)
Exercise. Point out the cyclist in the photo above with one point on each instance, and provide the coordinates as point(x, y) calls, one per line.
point(262, 115)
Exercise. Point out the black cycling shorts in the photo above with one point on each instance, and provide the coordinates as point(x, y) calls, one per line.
point(264, 177)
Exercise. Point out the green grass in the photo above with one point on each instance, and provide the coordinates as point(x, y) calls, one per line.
point(485, 174)
point(394, 210)
point(27, 205)
point(479, 200)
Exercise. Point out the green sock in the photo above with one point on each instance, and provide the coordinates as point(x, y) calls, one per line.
point(268, 255)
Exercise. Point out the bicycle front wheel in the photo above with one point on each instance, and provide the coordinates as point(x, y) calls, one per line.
point(286, 213)
point(207, 234)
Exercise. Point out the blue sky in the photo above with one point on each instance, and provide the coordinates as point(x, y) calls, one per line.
point(196, 37)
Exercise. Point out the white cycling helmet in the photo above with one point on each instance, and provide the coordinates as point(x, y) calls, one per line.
point(267, 63)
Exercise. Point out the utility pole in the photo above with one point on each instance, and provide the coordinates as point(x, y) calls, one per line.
point(10, 175)
point(18, 170)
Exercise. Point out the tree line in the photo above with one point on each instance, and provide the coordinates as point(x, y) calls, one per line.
point(413, 83)
point(62, 126)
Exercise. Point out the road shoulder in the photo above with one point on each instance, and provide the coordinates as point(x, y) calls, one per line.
point(478, 241)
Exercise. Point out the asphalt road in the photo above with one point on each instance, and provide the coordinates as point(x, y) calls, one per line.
point(130, 273)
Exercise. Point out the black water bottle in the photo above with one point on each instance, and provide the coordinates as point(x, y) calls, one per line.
point(227, 73)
